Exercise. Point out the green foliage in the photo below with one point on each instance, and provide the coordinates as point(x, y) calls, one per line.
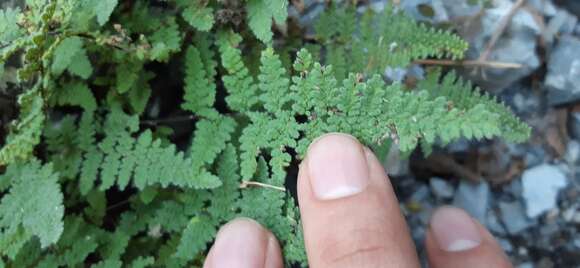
point(33, 207)
point(260, 16)
point(143, 128)
point(380, 42)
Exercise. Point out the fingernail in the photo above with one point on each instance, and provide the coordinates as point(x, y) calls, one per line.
point(239, 244)
point(337, 166)
point(454, 230)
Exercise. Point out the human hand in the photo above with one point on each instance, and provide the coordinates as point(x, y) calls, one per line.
point(351, 218)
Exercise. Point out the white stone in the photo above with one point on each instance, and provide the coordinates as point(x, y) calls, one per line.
point(541, 185)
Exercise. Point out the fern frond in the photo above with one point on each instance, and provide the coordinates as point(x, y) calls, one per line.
point(119, 158)
point(26, 131)
point(198, 15)
point(9, 29)
point(243, 93)
point(33, 207)
point(260, 15)
point(390, 38)
point(489, 117)
point(104, 9)
point(165, 41)
point(200, 89)
point(70, 55)
point(75, 94)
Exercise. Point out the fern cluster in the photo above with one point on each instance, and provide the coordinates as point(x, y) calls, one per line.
point(88, 179)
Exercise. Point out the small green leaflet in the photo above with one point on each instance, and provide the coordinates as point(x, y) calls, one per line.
point(104, 9)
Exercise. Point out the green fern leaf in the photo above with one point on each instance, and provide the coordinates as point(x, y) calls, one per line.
point(26, 131)
point(198, 15)
point(142, 262)
point(9, 29)
point(34, 204)
point(200, 89)
point(199, 231)
point(76, 94)
point(104, 9)
point(260, 15)
point(239, 83)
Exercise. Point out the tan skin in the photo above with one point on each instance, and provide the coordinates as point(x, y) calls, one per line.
point(361, 226)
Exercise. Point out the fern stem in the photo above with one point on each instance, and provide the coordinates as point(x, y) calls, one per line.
point(246, 184)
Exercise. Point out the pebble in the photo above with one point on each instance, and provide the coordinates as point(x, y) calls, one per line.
point(572, 5)
point(493, 224)
point(541, 185)
point(416, 9)
point(513, 217)
point(577, 242)
point(574, 125)
point(535, 155)
point(563, 78)
point(473, 198)
point(562, 23)
point(569, 214)
point(572, 152)
point(420, 194)
point(441, 188)
point(546, 7)
point(506, 245)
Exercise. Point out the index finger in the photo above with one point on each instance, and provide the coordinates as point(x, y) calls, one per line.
point(350, 214)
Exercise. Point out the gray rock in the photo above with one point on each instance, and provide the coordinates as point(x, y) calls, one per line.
point(414, 9)
point(520, 48)
point(574, 125)
point(460, 9)
point(572, 152)
point(562, 23)
point(546, 7)
point(493, 224)
point(421, 194)
point(458, 146)
point(515, 187)
point(569, 214)
point(506, 245)
point(517, 45)
point(441, 188)
point(473, 198)
point(563, 78)
point(395, 74)
point(573, 6)
point(541, 185)
point(395, 163)
point(548, 230)
point(513, 217)
point(534, 156)
point(526, 265)
point(425, 214)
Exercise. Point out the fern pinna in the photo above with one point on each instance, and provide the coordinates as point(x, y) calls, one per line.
point(82, 161)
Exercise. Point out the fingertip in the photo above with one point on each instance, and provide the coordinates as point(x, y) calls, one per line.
point(350, 214)
point(337, 166)
point(455, 239)
point(243, 242)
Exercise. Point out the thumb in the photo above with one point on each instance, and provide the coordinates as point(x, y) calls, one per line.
point(455, 239)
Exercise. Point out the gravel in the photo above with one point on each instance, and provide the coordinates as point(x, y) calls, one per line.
point(563, 78)
point(541, 185)
point(474, 198)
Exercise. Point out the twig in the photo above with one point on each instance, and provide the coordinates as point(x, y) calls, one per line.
point(154, 122)
point(246, 184)
point(500, 30)
point(475, 63)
